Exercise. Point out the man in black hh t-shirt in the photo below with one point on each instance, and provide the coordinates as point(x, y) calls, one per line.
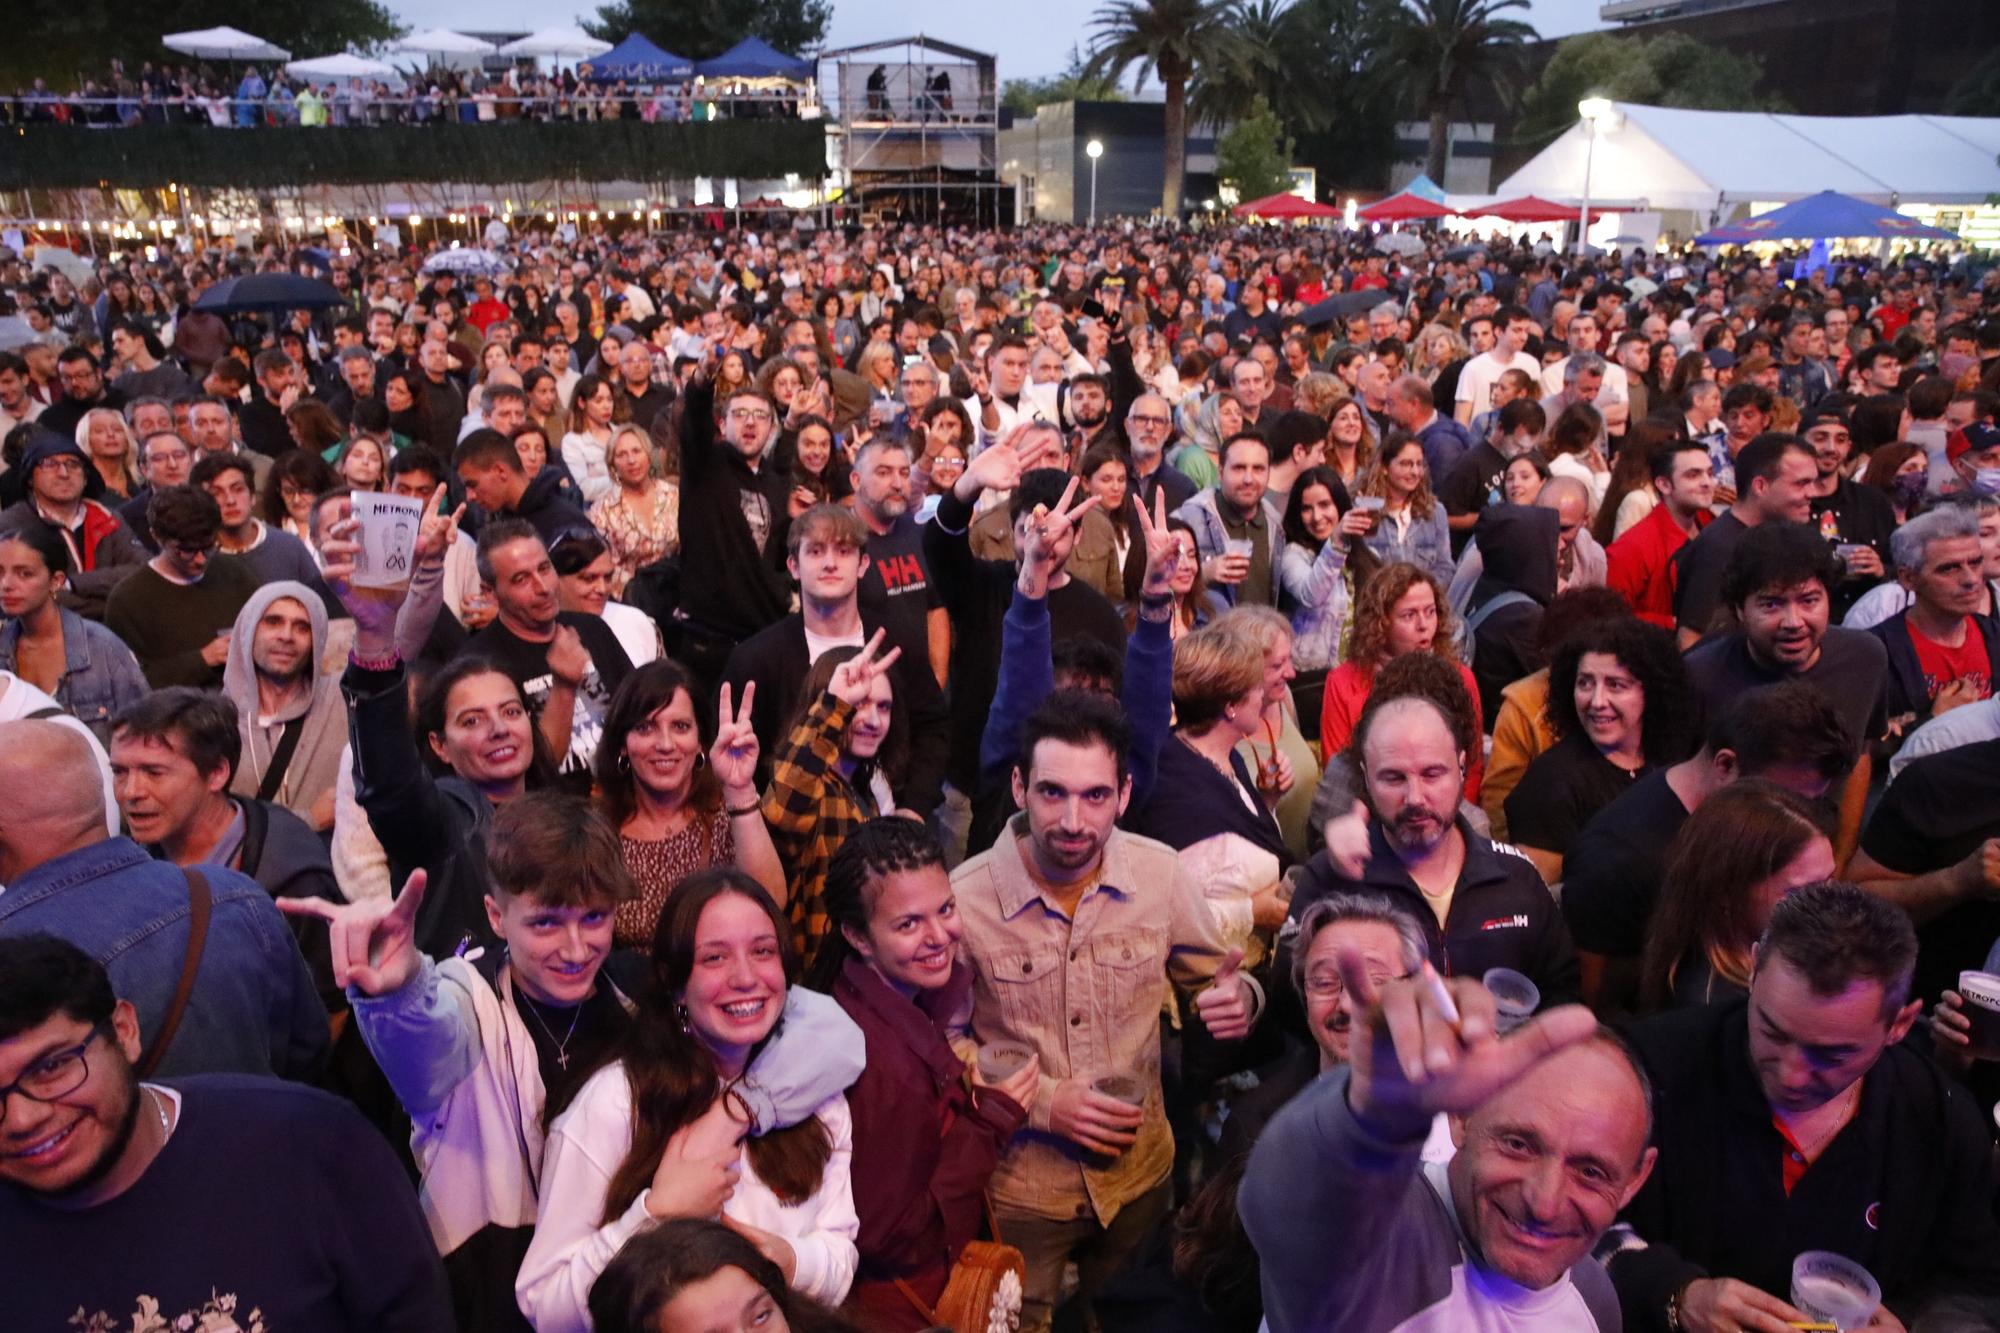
point(573, 662)
point(216, 1201)
point(896, 588)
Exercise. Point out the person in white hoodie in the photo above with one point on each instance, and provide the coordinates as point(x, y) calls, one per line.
point(479, 1047)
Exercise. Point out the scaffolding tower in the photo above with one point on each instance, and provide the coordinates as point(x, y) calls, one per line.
point(915, 132)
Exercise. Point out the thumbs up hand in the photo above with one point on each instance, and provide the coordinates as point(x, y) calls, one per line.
point(1224, 1008)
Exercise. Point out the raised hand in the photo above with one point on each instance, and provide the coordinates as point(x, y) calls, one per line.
point(1347, 843)
point(1049, 538)
point(853, 678)
point(1163, 551)
point(1224, 1008)
point(1418, 1059)
point(373, 942)
point(569, 660)
point(439, 529)
point(733, 757)
point(373, 609)
point(1000, 466)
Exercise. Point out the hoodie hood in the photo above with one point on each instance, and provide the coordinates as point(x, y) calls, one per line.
point(239, 674)
point(1517, 544)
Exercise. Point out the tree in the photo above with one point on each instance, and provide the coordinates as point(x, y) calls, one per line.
point(1174, 38)
point(1445, 47)
point(1978, 93)
point(1022, 96)
point(703, 29)
point(1672, 69)
point(78, 39)
point(1253, 155)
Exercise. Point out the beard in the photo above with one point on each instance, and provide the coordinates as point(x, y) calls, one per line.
point(121, 1138)
point(1417, 828)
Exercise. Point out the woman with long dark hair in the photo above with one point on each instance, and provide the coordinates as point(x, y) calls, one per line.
point(661, 1132)
point(1619, 706)
point(296, 481)
point(679, 808)
point(1743, 849)
point(926, 1135)
point(1323, 562)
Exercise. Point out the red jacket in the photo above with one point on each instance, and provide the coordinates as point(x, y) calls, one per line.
point(923, 1146)
point(1640, 565)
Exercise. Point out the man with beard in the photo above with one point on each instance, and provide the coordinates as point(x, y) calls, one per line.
point(98, 1168)
point(896, 583)
point(1639, 565)
point(1856, 520)
point(1482, 904)
point(1149, 423)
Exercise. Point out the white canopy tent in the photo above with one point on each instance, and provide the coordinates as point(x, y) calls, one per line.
point(223, 44)
point(341, 67)
point(442, 42)
point(565, 42)
point(1704, 162)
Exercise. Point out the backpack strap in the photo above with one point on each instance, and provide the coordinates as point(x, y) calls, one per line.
point(1511, 597)
point(199, 904)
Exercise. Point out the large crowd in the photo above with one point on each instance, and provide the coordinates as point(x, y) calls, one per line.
point(252, 96)
point(907, 774)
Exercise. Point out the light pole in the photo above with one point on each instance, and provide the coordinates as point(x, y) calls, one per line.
point(1093, 150)
point(1594, 111)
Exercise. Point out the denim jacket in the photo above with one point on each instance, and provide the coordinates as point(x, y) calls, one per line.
point(100, 675)
point(253, 1009)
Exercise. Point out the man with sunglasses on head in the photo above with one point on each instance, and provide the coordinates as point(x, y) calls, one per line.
point(187, 1203)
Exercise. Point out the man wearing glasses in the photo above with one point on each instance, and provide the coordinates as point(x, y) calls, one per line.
point(1149, 425)
point(101, 1174)
point(102, 550)
point(175, 612)
point(733, 525)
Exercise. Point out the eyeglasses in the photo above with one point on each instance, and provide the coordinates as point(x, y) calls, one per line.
point(56, 1074)
point(749, 414)
point(1149, 419)
point(62, 463)
point(186, 552)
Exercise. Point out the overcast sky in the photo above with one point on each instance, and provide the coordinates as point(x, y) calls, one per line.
point(1031, 37)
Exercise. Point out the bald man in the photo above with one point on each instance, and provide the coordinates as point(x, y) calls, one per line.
point(19, 699)
point(252, 1008)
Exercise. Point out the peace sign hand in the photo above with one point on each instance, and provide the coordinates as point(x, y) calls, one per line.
point(373, 941)
point(853, 678)
point(733, 757)
point(1163, 549)
point(1048, 541)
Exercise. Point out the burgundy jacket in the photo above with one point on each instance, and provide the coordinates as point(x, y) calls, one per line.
point(924, 1146)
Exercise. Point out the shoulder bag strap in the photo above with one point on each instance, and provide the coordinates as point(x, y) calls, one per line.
point(199, 903)
point(281, 758)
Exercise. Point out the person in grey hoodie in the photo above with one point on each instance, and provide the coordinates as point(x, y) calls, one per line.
point(1552, 1123)
point(290, 711)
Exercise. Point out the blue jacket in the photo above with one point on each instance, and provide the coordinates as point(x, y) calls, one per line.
point(1426, 545)
point(100, 675)
point(1211, 539)
point(253, 1009)
point(1445, 442)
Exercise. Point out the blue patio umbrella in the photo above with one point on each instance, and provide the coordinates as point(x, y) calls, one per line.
point(1826, 214)
point(268, 293)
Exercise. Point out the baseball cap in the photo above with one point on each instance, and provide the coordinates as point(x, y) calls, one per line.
point(1820, 415)
point(1676, 273)
point(1976, 438)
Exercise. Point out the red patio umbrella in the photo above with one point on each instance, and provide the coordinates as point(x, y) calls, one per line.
point(1285, 206)
point(1529, 208)
point(1403, 207)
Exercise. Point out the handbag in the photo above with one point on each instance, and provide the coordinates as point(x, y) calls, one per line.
point(984, 1292)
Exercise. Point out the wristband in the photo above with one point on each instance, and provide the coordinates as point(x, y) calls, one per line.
point(388, 661)
point(739, 811)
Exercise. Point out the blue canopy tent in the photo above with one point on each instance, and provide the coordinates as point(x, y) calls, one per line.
point(755, 58)
point(1827, 214)
point(637, 60)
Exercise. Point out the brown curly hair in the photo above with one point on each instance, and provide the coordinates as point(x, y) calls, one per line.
point(1378, 598)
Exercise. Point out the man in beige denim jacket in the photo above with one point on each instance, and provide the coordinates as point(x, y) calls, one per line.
point(1074, 928)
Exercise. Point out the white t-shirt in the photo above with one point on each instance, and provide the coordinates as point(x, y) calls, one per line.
point(1476, 381)
point(19, 699)
point(817, 645)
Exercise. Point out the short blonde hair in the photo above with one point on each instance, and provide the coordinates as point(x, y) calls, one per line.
point(1213, 668)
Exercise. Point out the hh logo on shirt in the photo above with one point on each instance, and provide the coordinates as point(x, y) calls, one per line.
point(1518, 921)
point(901, 573)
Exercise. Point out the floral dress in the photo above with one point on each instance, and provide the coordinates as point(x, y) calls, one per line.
point(637, 538)
point(657, 866)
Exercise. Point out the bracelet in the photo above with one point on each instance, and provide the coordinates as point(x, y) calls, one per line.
point(737, 812)
point(389, 661)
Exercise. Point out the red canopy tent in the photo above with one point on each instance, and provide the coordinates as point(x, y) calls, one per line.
point(1285, 206)
point(1529, 208)
point(1403, 207)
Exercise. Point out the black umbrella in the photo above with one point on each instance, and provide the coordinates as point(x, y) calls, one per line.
point(1463, 253)
point(1342, 304)
point(268, 292)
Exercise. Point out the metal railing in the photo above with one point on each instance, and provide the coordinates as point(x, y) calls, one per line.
point(341, 107)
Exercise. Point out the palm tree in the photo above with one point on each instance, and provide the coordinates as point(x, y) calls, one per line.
point(1174, 38)
point(1448, 45)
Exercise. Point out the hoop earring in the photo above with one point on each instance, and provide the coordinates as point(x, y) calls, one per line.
point(700, 759)
point(623, 763)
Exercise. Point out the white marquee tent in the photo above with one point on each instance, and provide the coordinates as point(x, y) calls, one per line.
point(1707, 162)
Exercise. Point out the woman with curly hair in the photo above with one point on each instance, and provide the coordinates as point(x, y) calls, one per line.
point(1401, 609)
point(296, 481)
point(1619, 707)
point(1743, 849)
